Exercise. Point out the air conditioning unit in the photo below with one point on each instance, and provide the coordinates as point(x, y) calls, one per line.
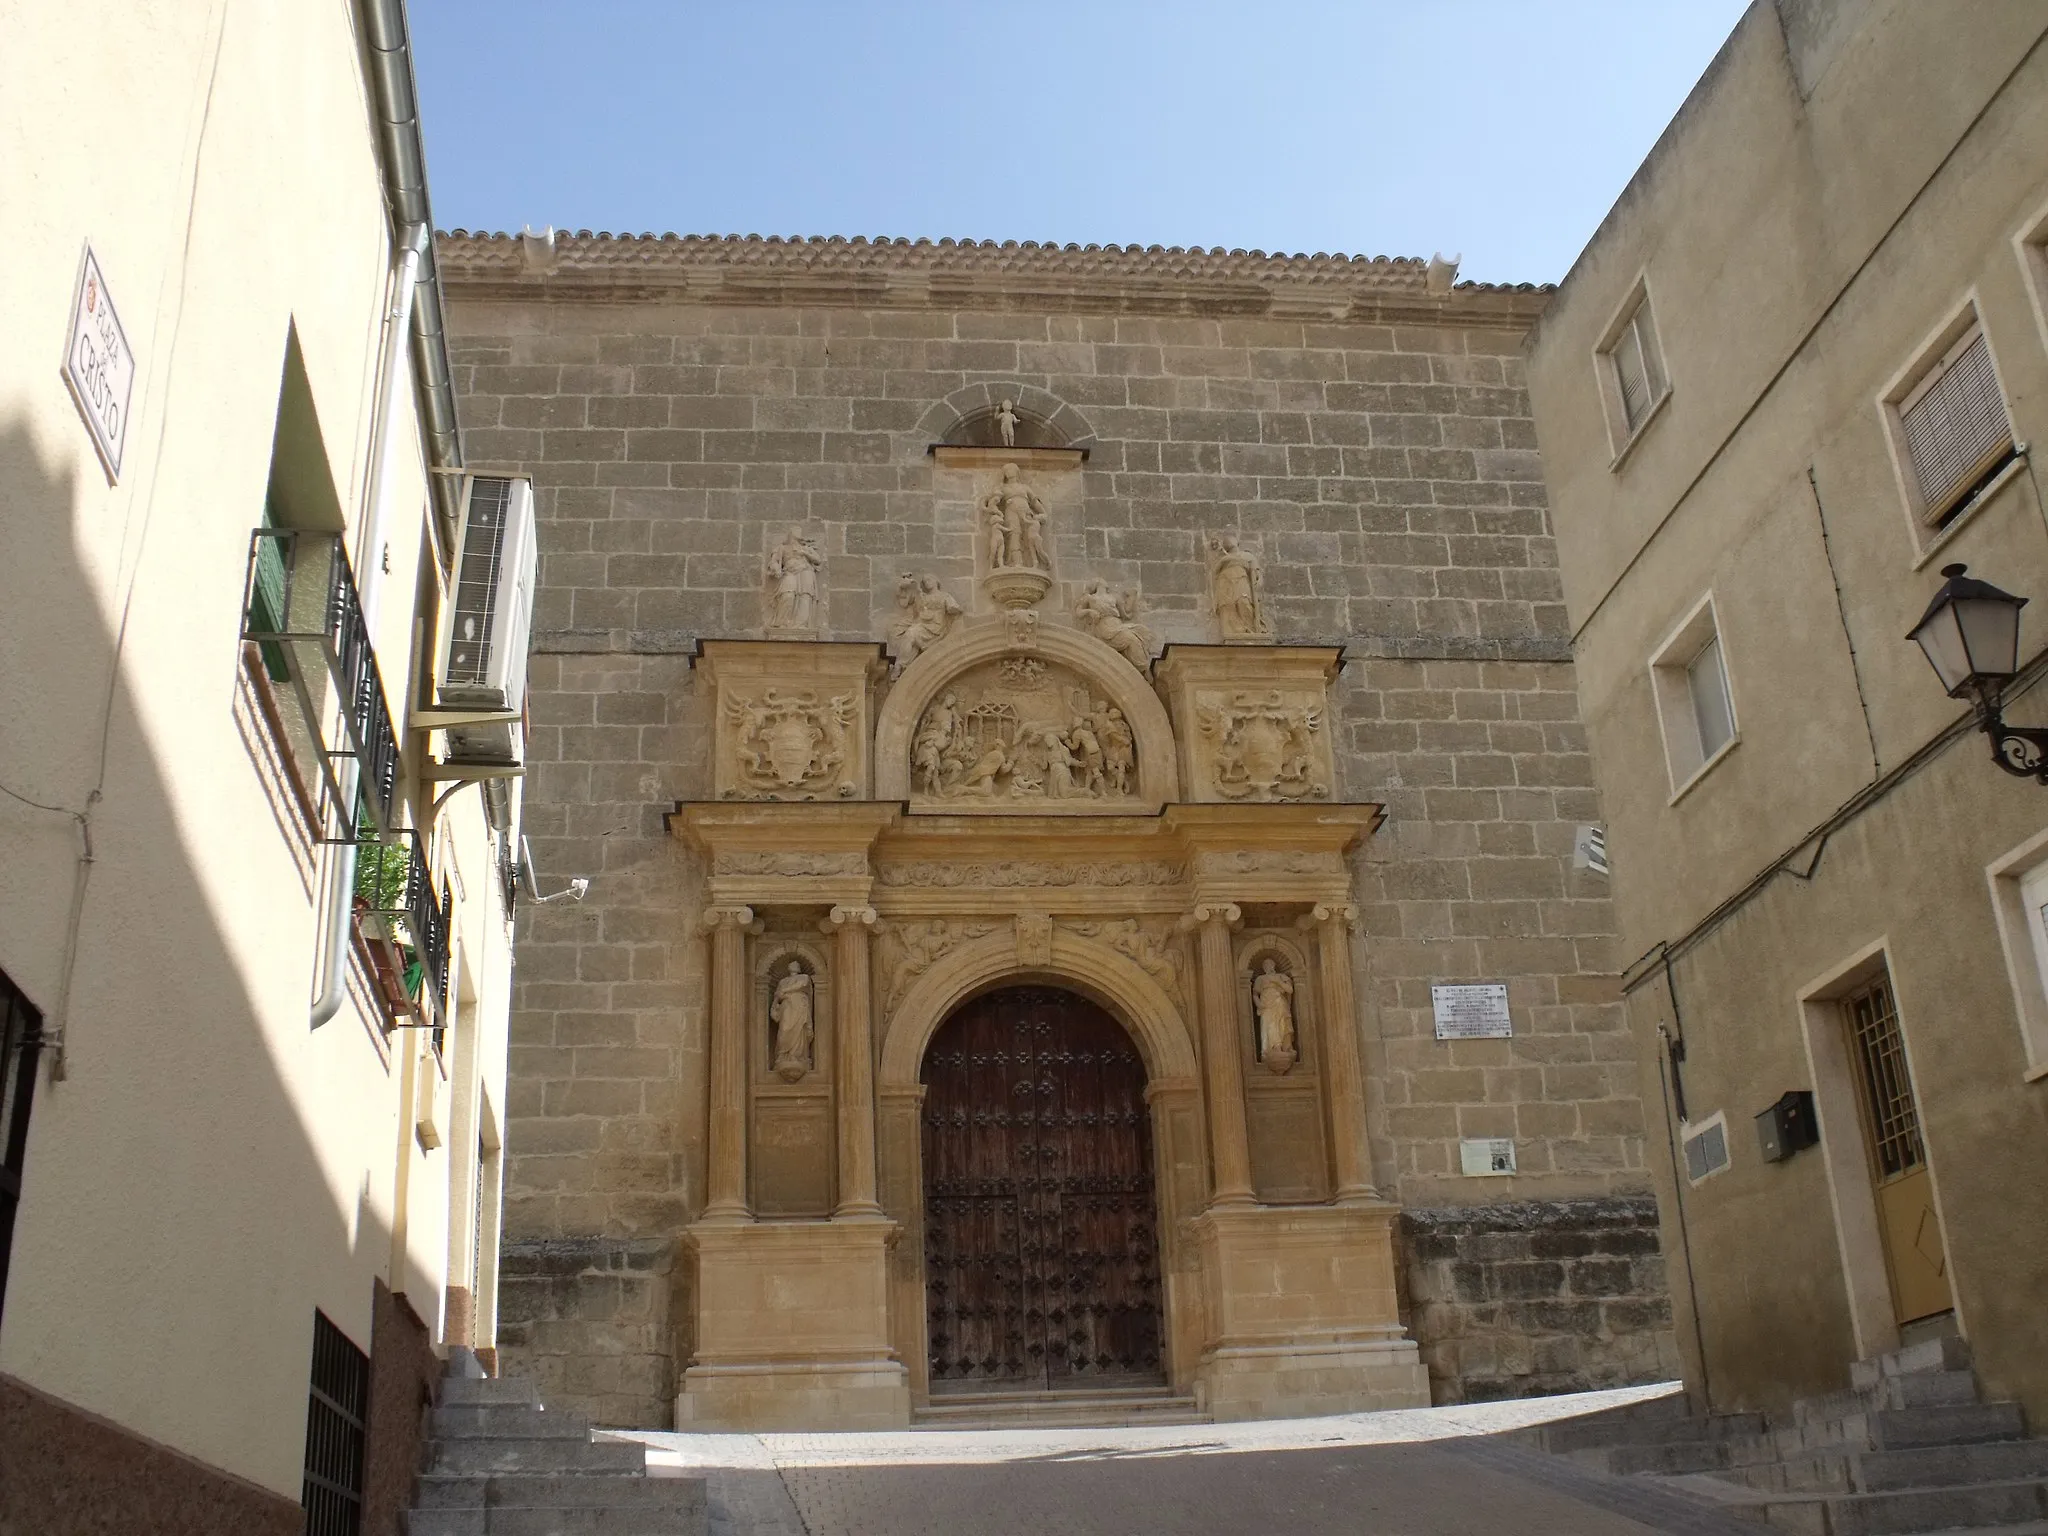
point(488, 620)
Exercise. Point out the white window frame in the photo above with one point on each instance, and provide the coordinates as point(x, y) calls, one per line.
point(1671, 691)
point(2019, 888)
point(1898, 393)
point(1622, 434)
point(2030, 245)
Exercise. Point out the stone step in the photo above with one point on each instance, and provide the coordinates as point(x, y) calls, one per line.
point(608, 1506)
point(1899, 1429)
point(1926, 1389)
point(558, 1490)
point(1600, 1432)
point(1897, 1512)
point(1948, 1353)
point(493, 1391)
point(1663, 1458)
point(526, 1454)
point(507, 1420)
point(1886, 1471)
point(1023, 1410)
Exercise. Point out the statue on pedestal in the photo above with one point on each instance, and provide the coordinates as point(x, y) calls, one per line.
point(795, 1028)
point(1273, 1010)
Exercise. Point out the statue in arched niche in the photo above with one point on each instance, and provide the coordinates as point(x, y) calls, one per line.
point(793, 1015)
point(1273, 1017)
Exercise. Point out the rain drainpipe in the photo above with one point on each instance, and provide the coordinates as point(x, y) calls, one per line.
point(415, 315)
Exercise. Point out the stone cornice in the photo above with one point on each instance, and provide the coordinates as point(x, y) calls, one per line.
point(969, 274)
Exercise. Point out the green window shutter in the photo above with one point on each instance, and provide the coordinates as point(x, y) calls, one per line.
point(269, 600)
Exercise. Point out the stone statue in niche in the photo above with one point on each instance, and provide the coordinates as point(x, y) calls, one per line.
point(925, 612)
point(793, 1015)
point(1112, 617)
point(1264, 747)
point(1021, 729)
point(1235, 582)
point(1006, 422)
point(790, 745)
point(1273, 1014)
point(1015, 518)
point(792, 573)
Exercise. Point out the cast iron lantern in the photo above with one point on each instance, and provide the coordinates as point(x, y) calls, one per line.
point(1970, 635)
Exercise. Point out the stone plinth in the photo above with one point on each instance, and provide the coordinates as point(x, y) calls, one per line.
point(793, 1328)
point(1303, 1314)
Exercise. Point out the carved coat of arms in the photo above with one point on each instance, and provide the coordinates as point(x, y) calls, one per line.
point(790, 743)
point(1263, 747)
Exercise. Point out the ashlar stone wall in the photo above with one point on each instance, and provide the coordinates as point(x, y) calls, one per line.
point(681, 405)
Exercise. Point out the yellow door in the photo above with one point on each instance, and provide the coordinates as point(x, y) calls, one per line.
point(1914, 1256)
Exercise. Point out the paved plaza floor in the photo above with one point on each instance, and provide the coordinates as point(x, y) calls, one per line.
point(1422, 1472)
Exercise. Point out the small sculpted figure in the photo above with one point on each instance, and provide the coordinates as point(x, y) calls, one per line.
point(1119, 752)
point(1234, 589)
point(1112, 617)
point(1006, 422)
point(927, 613)
point(793, 576)
point(791, 1014)
point(1015, 518)
point(934, 743)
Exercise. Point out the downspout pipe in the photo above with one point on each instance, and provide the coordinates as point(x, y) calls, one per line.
point(415, 312)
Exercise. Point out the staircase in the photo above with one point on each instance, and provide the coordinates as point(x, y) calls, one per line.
point(1103, 1408)
point(499, 1464)
point(1909, 1448)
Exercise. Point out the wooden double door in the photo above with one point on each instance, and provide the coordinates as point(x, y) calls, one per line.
point(1040, 1220)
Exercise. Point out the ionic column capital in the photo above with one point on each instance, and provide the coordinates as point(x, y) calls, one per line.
point(715, 918)
point(1228, 913)
point(1342, 912)
point(854, 917)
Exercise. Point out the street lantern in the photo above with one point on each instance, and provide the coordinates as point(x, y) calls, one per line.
point(1970, 635)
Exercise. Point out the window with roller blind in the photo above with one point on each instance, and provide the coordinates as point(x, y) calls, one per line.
point(1949, 426)
point(1633, 382)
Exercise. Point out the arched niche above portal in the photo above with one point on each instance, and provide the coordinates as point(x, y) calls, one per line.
point(1007, 698)
point(985, 422)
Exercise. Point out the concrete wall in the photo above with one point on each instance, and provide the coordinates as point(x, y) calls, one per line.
point(208, 1170)
point(1844, 180)
point(1384, 470)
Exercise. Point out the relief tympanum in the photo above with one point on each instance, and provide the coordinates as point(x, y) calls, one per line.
point(1020, 729)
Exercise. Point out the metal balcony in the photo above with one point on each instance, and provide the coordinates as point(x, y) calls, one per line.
point(302, 613)
point(401, 932)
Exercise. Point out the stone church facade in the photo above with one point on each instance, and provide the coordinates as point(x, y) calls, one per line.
point(1038, 724)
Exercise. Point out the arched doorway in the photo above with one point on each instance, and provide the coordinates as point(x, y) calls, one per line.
point(1041, 1232)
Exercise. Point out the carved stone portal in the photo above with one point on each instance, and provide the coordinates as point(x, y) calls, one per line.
point(1022, 730)
point(1263, 746)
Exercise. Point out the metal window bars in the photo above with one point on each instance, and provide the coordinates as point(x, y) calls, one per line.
point(302, 613)
point(402, 931)
point(1880, 1054)
point(337, 1416)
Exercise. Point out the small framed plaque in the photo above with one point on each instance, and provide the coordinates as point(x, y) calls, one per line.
point(1475, 1011)
point(99, 368)
point(1487, 1157)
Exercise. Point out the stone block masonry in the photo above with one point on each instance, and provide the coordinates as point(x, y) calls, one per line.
point(682, 405)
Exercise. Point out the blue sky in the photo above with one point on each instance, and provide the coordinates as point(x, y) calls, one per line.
point(1499, 129)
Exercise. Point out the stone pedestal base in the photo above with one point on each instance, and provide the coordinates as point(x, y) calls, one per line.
point(1303, 1314)
point(793, 1328)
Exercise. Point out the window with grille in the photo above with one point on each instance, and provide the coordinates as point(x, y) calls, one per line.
point(1880, 1055)
point(1954, 428)
point(21, 1048)
point(335, 1415)
point(1635, 366)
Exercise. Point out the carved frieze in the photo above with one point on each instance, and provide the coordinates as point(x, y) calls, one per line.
point(1028, 872)
point(753, 862)
point(1266, 861)
point(1020, 732)
point(1264, 744)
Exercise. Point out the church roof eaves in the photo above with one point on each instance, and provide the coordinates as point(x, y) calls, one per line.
point(838, 269)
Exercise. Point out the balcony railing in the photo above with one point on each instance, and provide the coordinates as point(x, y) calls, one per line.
point(402, 931)
point(304, 617)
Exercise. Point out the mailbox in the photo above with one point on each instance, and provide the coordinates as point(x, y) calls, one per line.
point(1788, 1126)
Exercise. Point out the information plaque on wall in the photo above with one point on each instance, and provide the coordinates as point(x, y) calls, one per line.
point(1472, 1011)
